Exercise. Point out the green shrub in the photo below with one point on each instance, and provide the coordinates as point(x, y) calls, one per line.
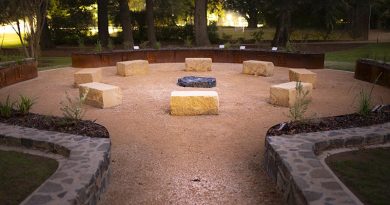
point(110, 44)
point(258, 36)
point(364, 101)
point(144, 44)
point(6, 108)
point(228, 45)
point(297, 111)
point(81, 44)
point(364, 107)
point(157, 45)
point(25, 104)
point(98, 46)
point(72, 108)
point(188, 42)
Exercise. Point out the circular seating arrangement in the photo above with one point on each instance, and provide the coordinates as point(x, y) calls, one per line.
point(190, 102)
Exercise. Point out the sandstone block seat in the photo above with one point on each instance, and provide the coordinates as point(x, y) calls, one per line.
point(285, 94)
point(262, 68)
point(134, 67)
point(101, 95)
point(303, 75)
point(194, 103)
point(198, 64)
point(87, 75)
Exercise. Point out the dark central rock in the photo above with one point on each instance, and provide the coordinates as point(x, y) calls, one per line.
point(199, 82)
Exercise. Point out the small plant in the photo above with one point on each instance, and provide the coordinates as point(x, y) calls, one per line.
point(157, 45)
point(110, 44)
point(81, 44)
point(258, 36)
point(144, 44)
point(98, 47)
point(364, 103)
point(6, 108)
point(127, 45)
point(72, 108)
point(364, 107)
point(297, 111)
point(290, 47)
point(25, 104)
point(228, 45)
point(188, 42)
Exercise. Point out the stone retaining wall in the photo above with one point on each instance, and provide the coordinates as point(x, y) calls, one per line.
point(292, 162)
point(284, 59)
point(80, 179)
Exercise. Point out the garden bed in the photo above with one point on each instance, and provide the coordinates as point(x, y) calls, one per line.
point(279, 58)
point(59, 124)
point(17, 71)
point(373, 71)
point(331, 123)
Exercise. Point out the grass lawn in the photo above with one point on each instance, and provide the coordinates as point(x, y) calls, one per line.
point(47, 63)
point(44, 63)
point(345, 60)
point(365, 172)
point(21, 174)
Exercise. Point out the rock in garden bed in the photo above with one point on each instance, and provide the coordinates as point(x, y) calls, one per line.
point(331, 123)
point(58, 124)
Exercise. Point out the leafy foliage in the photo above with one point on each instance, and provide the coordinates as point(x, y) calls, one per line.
point(72, 108)
point(25, 104)
point(6, 108)
point(298, 110)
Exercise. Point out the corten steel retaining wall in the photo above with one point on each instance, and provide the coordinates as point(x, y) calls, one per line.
point(284, 59)
point(14, 72)
point(369, 70)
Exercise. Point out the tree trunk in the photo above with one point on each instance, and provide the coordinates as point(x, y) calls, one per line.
point(103, 22)
point(200, 21)
point(361, 19)
point(46, 39)
point(150, 23)
point(282, 33)
point(252, 22)
point(128, 41)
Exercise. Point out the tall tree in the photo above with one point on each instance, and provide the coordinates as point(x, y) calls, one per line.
point(128, 41)
point(26, 12)
point(103, 22)
point(283, 25)
point(200, 21)
point(150, 22)
point(360, 18)
point(249, 9)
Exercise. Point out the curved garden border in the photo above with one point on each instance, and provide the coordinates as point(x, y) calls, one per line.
point(293, 162)
point(79, 179)
point(13, 72)
point(369, 70)
point(286, 59)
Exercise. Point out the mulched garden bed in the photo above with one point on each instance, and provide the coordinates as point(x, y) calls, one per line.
point(58, 124)
point(331, 123)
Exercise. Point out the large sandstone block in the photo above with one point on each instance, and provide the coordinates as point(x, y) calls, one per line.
point(194, 103)
point(285, 94)
point(198, 64)
point(101, 95)
point(263, 68)
point(134, 67)
point(303, 75)
point(88, 75)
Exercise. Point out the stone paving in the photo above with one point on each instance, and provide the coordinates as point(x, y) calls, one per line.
point(293, 163)
point(82, 175)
